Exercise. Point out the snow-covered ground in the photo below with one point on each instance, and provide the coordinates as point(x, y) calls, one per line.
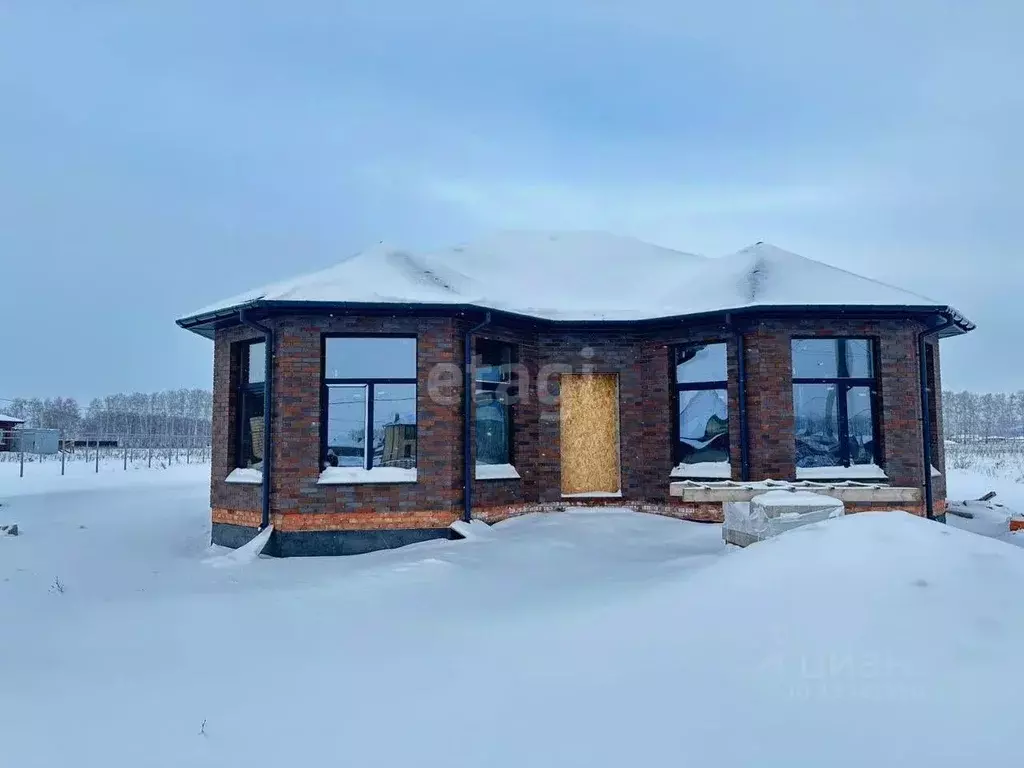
point(584, 638)
point(81, 475)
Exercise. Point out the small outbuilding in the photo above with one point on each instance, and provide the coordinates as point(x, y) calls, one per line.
point(375, 402)
point(7, 426)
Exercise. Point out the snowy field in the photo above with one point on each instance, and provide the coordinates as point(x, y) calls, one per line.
point(588, 638)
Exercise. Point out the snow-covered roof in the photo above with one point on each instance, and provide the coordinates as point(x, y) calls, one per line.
point(10, 419)
point(581, 276)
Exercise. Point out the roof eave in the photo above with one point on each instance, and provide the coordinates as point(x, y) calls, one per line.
point(206, 324)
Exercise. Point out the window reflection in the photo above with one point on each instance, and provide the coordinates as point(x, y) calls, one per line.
point(370, 357)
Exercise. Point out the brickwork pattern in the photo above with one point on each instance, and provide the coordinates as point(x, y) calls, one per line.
point(227, 361)
point(643, 364)
point(526, 445)
point(702, 512)
point(773, 453)
point(938, 433)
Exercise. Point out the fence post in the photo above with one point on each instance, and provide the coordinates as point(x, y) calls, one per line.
point(126, 458)
point(63, 452)
point(150, 455)
point(21, 471)
point(97, 455)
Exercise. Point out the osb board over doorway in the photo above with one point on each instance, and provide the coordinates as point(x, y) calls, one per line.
point(589, 414)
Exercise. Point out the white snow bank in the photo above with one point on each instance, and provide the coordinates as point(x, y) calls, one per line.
point(604, 640)
point(854, 471)
point(794, 499)
point(353, 475)
point(244, 554)
point(709, 469)
point(496, 472)
point(612, 278)
point(474, 530)
point(244, 476)
point(838, 643)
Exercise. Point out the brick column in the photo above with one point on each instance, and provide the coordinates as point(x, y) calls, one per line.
point(770, 404)
point(296, 412)
point(900, 392)
point(227, 361)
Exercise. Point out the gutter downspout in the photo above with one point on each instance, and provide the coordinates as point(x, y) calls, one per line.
point(926, 422)
point(741, 374)
point(268, 400)
point(467, 415)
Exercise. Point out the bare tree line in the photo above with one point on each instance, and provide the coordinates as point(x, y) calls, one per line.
point(180, 412)
point(983, 416)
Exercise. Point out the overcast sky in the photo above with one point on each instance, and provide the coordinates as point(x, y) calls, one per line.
point(156, 157)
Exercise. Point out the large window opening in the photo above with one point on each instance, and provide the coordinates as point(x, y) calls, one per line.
point(369, 397)
point(834, 394)
point(702, 410)
point(251, 402)
point(493, 395)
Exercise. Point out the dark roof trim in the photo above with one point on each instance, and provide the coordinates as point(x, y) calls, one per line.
point(206, 324)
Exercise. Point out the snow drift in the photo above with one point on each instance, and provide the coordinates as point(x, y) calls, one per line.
point(575, 638)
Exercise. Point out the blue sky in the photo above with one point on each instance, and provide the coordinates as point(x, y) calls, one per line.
point(155, 157)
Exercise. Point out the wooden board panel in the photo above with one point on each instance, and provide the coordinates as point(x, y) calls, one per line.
point(589, 413)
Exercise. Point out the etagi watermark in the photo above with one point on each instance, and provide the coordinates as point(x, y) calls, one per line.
point(510, 382)
point(843, 675)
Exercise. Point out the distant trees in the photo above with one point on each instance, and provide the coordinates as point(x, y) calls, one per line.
point(985, 416)
point(188, 412)
point(52, 413)
point(179, 412)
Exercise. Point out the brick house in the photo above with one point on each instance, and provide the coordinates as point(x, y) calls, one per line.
point(374, 403)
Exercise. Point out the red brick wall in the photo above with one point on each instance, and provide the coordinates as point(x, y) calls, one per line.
point(296, 425)
point(643, 363)
point(701, 512)
point(646, 398)
point(226, 367)
point(526, 449)
point(938, 434)
point(770, 403)
point(770, 395)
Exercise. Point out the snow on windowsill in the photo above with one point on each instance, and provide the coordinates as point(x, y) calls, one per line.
point(245, 476)
point(852, 472)
point(936, 472)
point(352, 475)
point(496, 472)
point(702, 469)
point(594, 495)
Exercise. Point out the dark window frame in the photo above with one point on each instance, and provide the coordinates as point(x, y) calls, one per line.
point(673, 361)
point(326, 383)
point(504, 387)
point(843, 384)
point(245, 390)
